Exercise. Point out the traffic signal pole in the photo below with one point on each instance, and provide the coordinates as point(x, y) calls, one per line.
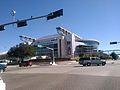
point(32, 18)
point(23, 22)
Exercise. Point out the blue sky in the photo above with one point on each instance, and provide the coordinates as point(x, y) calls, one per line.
point(91, 19)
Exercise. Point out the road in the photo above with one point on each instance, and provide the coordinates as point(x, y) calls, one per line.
point(63, 77)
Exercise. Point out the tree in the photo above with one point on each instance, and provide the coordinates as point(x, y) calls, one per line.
point(81, 55)
point(4, 56)
point(114, 55)
point(21, 51)
point(103, 55)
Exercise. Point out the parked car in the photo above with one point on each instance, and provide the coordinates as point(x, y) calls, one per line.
point(25, 63)
point(91, 61)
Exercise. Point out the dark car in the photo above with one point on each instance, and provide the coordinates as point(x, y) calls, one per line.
point(91, 61)
point(2, 68)
point(25, 63)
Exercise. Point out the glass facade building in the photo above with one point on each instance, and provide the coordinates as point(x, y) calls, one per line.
point(89, 47)
point(65, 44)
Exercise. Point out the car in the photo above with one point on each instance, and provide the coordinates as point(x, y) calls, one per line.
point(3, 62)
point(25, 63)
point(28, 63)
point(2, 68)
point(88, 61)
point(2, 85)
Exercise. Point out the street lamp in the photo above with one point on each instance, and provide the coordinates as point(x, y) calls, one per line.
point(13, 13)
point(52, 49)
point(53, 60)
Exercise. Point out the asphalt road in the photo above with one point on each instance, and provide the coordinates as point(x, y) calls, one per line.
point(63, 77)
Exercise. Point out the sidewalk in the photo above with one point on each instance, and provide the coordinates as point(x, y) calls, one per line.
point(58, 63)
point(66, 62)
point(13, 66)
point(113, 61)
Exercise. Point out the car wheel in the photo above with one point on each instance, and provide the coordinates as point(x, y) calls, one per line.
point(88, 64)
point(97, 64)
point(103, 64)
point(4, 69)
point(84, 64)
point(20, 65)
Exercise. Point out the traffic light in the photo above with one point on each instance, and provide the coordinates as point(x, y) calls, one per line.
point(2, 28)
point(113, 42)
point(21, 23)
point(55, 14)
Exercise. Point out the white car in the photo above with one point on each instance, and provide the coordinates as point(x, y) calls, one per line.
point(2, 85)
point(3, 62)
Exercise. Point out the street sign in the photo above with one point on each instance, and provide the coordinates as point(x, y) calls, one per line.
point(113, 42)
point(39, 46)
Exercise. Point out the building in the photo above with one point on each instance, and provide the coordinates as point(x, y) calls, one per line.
point(65, 44)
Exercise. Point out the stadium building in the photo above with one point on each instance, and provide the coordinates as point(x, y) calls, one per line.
point(65, 44)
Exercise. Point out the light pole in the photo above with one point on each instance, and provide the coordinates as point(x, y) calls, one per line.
point(13, 14)
point(53, 60)
point(52, 49)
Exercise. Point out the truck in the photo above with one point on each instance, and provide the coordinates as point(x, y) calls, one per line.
point(88, 61)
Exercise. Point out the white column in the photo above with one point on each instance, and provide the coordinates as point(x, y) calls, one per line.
point(72, 44)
